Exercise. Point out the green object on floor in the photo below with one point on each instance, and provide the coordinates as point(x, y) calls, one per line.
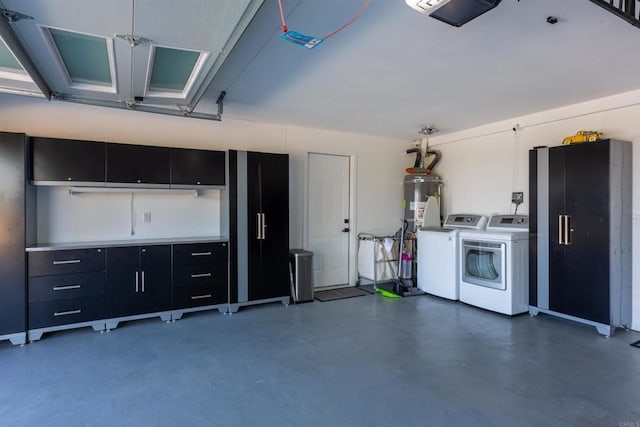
point(387, 294)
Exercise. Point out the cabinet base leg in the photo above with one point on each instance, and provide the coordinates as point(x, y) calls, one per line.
point(16, 339)
point(602, 328)
point(34, 336)
point(605, 330)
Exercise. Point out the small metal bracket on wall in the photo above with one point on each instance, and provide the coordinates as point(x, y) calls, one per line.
point(133, 40)
point(12, 16)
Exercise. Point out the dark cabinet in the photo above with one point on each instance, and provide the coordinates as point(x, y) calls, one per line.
point(13, 155)
point(68, 160)
point(580, 243)
point(197, 167)
point(66, 288)
point(200, 275)
point(138, 164)
point(138, 280)
point(259, 226)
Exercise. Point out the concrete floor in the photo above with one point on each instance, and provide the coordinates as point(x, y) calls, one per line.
point(364, 361)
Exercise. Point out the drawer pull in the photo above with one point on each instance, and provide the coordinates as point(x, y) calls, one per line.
point(66, 288)
point(69, 261)
point(201, 296)
point(67, 313)
point(195, 276)
point(200, 253)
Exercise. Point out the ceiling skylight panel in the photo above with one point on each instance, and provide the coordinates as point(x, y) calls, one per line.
point(173, 71)
point(86, 58)
point(8, 62)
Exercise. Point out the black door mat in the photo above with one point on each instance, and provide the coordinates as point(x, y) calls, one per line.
point(636, 344)
point(342, 293)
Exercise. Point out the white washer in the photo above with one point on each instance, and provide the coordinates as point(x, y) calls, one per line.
point(438, 254)
point(494, 265)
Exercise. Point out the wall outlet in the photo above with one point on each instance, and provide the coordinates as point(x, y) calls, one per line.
point(517, 197)
point(147, 217)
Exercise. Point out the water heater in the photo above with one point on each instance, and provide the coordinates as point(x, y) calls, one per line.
point(422, 201)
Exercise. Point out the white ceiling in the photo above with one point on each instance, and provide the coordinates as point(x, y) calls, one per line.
point(395, 70)
point(390, 73)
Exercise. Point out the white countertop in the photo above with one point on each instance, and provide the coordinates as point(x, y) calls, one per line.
point(116, 243)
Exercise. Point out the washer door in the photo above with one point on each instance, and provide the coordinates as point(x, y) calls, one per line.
point(484, 264)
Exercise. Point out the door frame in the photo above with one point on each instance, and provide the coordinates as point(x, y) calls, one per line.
point(353, 240)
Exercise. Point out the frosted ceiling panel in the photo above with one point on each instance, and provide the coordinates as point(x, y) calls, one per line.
point(8, 62)
point(172, 69)
point(85, 57)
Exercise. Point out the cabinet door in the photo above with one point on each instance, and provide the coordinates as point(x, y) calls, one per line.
point(557, 274)
point(68, 160)
point(587, 255)
point(579, 271)
point(155, 272)
point(124, 297)
point(268, 194)
point(12, 232)
point(137, 164)
point(197, 167)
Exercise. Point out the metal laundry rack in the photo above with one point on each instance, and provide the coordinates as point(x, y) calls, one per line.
point(370, 263)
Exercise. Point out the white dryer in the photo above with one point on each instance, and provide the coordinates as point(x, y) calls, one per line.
point(494, 265)
point(438, 254)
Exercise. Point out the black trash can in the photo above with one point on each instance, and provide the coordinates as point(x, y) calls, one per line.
point(301, 269)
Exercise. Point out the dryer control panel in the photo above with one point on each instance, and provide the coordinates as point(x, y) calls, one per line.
point(509, 222)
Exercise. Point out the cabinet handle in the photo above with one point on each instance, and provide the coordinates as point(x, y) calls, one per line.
point(66, 313)
point(136, 273)
point(200, 296)
point(195, 276)
point(142, 281)
point(567, 229)
point(66, 288)
point(258, 226)
point(560, 233)
point(69, 261)
point(200, 253)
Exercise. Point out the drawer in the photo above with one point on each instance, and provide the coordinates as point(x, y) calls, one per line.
point(47, 263)
point(200, 274)
point(200, 253)
point(65, 312)
point(66, 286)
point(200, 295)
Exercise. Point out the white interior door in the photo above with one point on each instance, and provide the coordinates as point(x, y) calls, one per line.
point(329, 222)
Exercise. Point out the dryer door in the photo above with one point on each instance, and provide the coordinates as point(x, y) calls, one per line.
point(483, 263)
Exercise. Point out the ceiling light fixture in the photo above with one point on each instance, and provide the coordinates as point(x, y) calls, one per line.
point(428, 130)
point(453, 12)
point(424, 6)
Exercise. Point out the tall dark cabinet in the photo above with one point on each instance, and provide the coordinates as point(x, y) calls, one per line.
point(259, 227)
point(580, 243)
point(13, 158)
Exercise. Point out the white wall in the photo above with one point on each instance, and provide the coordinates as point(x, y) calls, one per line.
point(482, 166)
point(63, 217)
point(378, 166)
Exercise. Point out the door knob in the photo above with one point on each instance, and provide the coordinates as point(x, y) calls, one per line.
point(345, 230)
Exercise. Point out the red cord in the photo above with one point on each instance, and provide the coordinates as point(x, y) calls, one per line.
point(356, 16)
point(342, 27)
point(284, 25)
